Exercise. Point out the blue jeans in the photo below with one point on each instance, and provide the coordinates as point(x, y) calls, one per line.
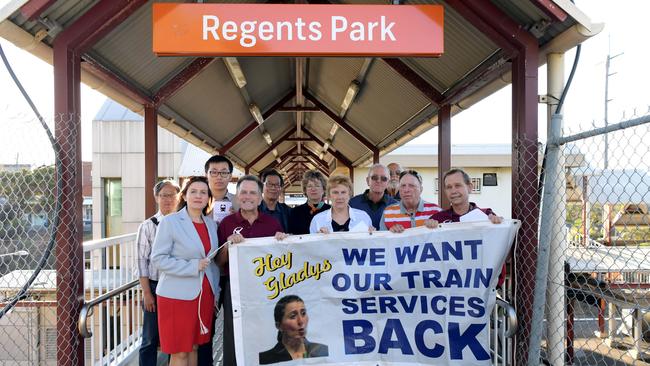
point(150, 336)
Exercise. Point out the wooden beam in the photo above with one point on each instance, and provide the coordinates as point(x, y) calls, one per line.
point(414, 79)
point(34, 8)
point(334, 117)
point(181, 79)
point(252, 126)
point(336, 154)
point(271, 147)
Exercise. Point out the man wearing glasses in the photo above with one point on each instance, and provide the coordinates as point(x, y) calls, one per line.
point(218, 170)
point(375, 199)
point(394, 170)
point(412, 210)
point(270, 205)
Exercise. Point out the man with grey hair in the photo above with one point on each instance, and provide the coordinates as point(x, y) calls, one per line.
point(375, 199)
point(165, 193)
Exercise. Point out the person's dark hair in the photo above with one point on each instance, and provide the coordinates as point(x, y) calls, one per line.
point(193, 179)
point(411, 172)
point(278, 312)
point(218, 159)
point(313, 175)
point(250, 178)
point(272, 172)
point(165, 182)
point(449, 172)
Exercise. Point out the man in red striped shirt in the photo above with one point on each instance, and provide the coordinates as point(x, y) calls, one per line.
point(412, 210)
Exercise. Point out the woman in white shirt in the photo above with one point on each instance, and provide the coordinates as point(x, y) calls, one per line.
point(341, 217)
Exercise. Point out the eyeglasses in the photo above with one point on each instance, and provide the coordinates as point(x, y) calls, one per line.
point(215, 173)
point(377, 178)
point(166, 195)
point(271, 185)
point(314, 186)
point(411, 172)
point(395, 172)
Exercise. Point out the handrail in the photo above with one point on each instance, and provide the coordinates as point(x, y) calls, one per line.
point(106, 242)
point(88, 305)
point(511, 315)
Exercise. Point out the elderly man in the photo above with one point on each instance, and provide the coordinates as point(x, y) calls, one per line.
point(248, 222)
point(412, 210)
point(273, 184)
point(165, 193)
point(394, 170)
point(375, 199)
point(457, 187)
point(218, 170)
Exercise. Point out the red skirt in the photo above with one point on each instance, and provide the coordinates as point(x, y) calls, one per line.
point(178, 321)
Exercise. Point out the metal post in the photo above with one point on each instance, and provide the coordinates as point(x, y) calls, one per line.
point(555, 304)
point(549, 276)
point(69, 236)
point(150, 158)
point(444, 151)
point(525, 204)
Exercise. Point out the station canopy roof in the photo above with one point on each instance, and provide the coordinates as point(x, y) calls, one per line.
point(205, 101)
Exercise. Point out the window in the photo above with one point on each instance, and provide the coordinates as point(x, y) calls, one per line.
point(476, 182)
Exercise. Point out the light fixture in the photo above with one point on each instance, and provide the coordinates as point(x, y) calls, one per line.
point(322, 154)
point(257, 114)
point(267, 137)
point(335, 128)
point(275, 152)
point(235, 71)
point(278, 160)
point(326, 145)
point(353, 89)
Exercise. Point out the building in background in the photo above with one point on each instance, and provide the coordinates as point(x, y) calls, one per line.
point(118, 162)
point(489, 166)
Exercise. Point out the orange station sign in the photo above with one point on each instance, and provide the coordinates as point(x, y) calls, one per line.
point(297, 30)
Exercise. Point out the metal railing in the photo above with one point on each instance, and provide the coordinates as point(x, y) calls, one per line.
point(111, 316)
point(503, 327)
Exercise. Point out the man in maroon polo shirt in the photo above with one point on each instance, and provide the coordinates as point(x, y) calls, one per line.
point(248, 222)
point(457, 186)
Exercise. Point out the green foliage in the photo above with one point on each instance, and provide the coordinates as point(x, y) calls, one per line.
point(25, 192)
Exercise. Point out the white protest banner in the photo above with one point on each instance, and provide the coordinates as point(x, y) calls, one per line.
point(421, 297)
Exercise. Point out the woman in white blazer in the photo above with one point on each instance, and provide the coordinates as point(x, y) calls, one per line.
point(341, 217)
point(189, 281)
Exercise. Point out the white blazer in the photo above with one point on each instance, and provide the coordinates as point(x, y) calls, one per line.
point(176, 252)
point(359, 219)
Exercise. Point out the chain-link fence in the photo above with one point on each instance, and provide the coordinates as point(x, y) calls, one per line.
point(592, 287)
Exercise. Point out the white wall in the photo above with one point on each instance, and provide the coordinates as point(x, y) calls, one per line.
point(498, 198)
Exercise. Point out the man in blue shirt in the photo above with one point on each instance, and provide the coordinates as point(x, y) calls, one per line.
point(375, 198)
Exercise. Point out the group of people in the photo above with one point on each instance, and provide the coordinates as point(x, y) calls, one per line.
point(183, 256)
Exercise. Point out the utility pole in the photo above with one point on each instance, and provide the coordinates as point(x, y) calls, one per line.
point(607, 100)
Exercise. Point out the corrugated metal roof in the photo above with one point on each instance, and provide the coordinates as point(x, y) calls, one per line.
point(131, 55)
point(387, 108)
